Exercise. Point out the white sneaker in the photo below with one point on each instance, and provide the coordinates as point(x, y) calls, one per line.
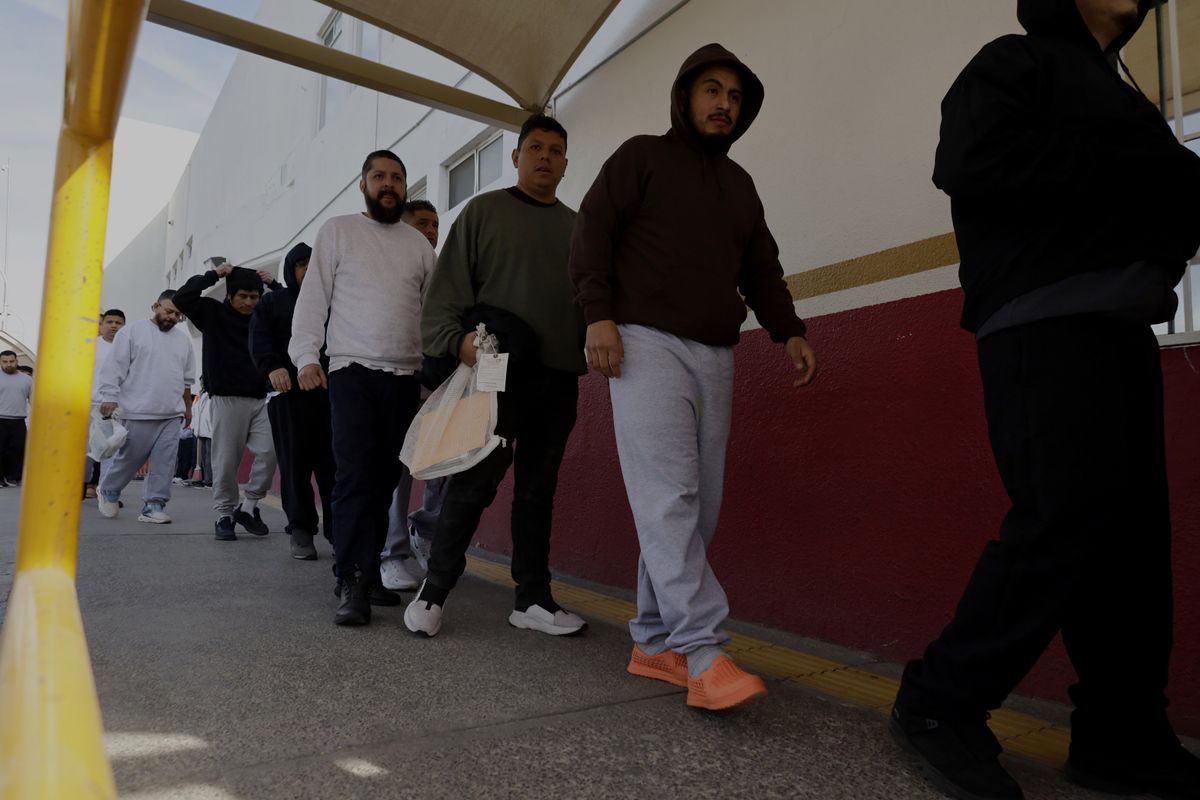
point(153, 513)
point(423, 617)
point(396, 576)
point(558, 623)
point(108, 508)
point(419, 546)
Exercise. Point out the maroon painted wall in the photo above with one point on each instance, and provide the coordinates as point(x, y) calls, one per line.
point(854, 509)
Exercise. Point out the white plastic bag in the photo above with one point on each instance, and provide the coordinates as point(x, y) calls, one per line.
point(105, 436)
point(456, 428)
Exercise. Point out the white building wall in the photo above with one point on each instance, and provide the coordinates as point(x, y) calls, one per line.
point(133, 280)
point(841, 153)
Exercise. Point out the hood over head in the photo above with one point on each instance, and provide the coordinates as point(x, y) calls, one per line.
point(242, 278)
point(300, 252)
point(1061, 18)
point(712, 55)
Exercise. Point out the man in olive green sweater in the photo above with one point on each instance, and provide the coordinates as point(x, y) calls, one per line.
point(508, 250)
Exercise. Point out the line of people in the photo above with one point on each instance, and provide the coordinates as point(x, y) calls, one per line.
point(649, 283)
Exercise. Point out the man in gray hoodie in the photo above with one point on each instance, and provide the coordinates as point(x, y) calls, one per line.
point(149, 377)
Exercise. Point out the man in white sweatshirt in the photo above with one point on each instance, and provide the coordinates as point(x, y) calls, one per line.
point(373, 342)
point(148, 376)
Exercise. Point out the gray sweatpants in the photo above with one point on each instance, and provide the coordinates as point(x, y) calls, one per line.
point(240, 423)
point(424, 519)
point(153, 439)
point(671, 409)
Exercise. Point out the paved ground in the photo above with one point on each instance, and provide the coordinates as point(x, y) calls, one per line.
point(221, 676)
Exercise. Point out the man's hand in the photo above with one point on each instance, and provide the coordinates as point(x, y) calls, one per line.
point(603, 348)
point(187, 416)
point(107, 409)
point(312, 377)
point(224, 269)
point(467, 351)
point(267, 278)
point(280, 380)
point(802, 355)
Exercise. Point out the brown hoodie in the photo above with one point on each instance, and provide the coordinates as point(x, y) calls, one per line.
point(673, 230)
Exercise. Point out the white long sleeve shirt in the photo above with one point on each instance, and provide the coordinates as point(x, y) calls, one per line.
point(368, 279)
point(147, 371)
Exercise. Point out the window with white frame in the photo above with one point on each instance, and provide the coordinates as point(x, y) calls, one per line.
point(333, 92)
point(475, 171)
point(1172, 59)
point(350, 36)
point(368, 41)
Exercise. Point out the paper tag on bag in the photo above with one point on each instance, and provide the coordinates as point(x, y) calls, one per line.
point(493, 372)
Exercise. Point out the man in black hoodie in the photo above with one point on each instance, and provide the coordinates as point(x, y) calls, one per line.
point(239, 414)
point(670, 238)
point(1076, 212)
point(300, 421)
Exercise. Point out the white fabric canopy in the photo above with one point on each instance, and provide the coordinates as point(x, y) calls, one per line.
point(525, 47)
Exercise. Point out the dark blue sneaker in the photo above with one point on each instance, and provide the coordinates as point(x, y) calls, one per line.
point(224, 530)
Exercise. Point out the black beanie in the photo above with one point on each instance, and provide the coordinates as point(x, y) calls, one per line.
point(242, 278)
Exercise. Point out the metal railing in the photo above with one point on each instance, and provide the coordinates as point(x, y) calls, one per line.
point(51, 737)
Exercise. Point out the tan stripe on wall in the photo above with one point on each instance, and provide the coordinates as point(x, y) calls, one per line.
point(895, 262)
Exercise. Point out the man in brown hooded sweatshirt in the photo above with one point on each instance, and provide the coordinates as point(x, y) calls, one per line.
point(668, 241)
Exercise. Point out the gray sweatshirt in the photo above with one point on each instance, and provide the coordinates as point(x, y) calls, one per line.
point(367, 279)
point(147, 371)
point(15, 391)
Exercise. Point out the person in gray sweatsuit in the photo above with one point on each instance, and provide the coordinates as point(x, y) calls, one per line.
point(148, 376)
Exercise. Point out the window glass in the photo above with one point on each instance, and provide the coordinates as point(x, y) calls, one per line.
point(370, 42)
point(333, 92)
point(462, 180)
point(489, 163)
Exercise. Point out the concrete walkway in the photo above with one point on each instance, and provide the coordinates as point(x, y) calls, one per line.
point(221, 676)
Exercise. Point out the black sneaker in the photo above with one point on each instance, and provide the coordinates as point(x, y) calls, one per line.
point(959, 758)
point(355, 608)
point(224, 530)
point(1170, 772)
point(382, 596)
point(251, 522)
point(377, 595)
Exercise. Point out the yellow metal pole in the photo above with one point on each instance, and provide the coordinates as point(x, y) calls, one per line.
point(51, 737)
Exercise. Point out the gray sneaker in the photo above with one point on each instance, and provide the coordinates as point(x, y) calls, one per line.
point(302, 545)
point(396, 576)
point(154, 513)
point(109, 503)
point(419, 546)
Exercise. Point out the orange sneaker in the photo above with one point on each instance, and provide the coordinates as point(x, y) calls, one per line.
point(667, 666)
point(724, 685)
